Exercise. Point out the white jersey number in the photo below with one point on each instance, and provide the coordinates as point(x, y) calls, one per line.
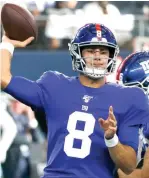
point(79, 134)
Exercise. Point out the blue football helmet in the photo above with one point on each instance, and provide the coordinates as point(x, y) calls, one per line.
point(134, 71)
point(90, 35)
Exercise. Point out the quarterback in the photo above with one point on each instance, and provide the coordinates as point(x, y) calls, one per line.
point(92, 125)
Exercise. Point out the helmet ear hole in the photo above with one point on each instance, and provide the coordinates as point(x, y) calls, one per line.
point(81, 49)
point(111, 52)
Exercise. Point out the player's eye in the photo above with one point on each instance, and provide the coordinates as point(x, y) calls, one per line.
point(90, 50)
point(104, 52)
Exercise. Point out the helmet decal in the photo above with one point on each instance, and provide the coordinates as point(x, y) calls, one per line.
point(134, 70)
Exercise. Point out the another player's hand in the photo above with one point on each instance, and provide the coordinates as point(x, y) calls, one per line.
point(17, 44)
point(110, 125)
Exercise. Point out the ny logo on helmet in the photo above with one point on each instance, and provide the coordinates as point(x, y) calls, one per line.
point(145, 66)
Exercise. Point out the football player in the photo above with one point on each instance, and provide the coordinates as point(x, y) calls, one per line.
point(92, 125)
point(134, 71)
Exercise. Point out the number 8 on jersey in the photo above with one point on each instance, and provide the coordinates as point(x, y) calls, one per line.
point(79, 134)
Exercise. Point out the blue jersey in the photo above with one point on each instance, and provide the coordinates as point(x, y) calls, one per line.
point(76, 147)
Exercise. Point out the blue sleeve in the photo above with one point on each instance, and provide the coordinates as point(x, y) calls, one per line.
point(26, 91)
point(138, 110)
point(35, 93)
point(141, 104)
point(129, 135)
point(136, 115)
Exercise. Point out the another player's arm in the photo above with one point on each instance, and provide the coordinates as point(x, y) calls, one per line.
point(145, 168)
point(138, 173)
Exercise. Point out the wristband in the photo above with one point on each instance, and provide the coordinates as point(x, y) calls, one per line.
point(112, 142)
point(8, 46)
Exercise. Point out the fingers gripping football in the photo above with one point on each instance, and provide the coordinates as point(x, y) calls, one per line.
point(19, 44)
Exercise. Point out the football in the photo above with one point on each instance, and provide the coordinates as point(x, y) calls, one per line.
point(18, 22)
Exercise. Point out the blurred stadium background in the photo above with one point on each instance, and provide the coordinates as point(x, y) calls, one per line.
point(57, 23)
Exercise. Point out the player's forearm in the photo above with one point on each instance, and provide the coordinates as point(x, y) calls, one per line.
point(5, 63)
point(145, 169)
point(124, 157)
point(135, 174)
